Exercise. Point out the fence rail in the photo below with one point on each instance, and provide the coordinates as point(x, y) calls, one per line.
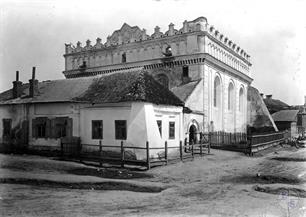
point(122, 154)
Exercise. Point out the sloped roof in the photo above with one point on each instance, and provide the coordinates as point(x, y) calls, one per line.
point(135, 85)
point(285, 115)
point(184, 91)
point(132, 86)
point(275, 105)
point(50, 91)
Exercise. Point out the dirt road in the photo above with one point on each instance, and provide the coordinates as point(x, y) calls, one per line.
point(221, 184)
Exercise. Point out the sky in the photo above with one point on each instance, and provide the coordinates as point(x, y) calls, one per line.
point(33, 33)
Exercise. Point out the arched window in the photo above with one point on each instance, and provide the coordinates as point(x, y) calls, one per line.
point(230, 97)
point(163, 80)
point(217, 92)
point(241, 96)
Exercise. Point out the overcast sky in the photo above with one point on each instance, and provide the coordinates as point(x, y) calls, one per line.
point(33, 33)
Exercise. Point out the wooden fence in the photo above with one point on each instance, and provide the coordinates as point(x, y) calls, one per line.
point(123, 154)
point(248, 144)
point(229, 141)
point(257, 142)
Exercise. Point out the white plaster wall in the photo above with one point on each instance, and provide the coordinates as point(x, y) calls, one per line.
point(141, 125)
point(108, 114)
point(224, 120)
point(167, 114)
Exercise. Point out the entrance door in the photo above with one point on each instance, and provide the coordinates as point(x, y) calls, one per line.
point(192, 134)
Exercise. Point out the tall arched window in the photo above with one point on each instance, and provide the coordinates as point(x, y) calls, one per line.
point(241, 96)
point(230, 97)
point(217, 92)
point(163, 79)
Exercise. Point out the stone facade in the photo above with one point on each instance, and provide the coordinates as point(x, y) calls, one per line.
point(195, 52)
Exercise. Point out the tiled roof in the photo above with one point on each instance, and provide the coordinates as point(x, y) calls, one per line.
point(135, 85)
point(285, 115)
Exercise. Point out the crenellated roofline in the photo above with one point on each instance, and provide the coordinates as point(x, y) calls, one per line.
point(129, 36)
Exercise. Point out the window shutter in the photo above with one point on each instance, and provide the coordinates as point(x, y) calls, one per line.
point(34, 131)
point(48, 128)
point(53, 128)
point(69, 127)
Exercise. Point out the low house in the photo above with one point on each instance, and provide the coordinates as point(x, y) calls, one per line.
point(286, 120)
point(130, 107)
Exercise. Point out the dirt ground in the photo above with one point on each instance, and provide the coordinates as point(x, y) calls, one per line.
point(221, 184)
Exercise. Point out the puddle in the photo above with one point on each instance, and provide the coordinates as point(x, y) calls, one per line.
point(119, 186)
point(109, 173)
point(263, 179)
point(289, 159)
point(284, 191)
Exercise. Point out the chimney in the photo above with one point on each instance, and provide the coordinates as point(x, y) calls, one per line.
point(269, 96)
point(17, 86)
point(33, 84)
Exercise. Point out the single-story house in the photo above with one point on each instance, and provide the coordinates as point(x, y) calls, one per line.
point(130, 107)
point(286, 120)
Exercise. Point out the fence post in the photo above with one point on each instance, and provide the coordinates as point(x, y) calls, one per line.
point(62, 148)
point(80, 151)
point(181, 151)
point(122, 154)
point(166, 152)
point(148, 155)
point(201, 149)
point(100, 151)
point(209, 141)
point(192, 144)
point(249, 145)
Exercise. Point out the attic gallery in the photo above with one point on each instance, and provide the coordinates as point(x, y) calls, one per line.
point(135, 88)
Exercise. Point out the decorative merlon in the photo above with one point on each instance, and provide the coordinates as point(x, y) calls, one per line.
point(133, 34)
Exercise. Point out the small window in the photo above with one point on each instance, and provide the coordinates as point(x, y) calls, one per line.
point(41, 130)
point(60, 130)
point(123, 58)
point(185, 71)
point(159, 124)
point(171, 130)
point(120, 129)
point(41, 127)
point(97, 129)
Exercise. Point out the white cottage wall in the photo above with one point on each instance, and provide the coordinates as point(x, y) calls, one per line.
point(53, 110)
point(108, 114)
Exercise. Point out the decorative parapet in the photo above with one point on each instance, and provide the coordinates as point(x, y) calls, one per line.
point(133, 34)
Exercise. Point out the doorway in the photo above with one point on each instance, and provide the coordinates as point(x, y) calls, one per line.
point(192, 134)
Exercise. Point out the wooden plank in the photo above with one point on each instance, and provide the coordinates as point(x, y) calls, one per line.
point(181, 150)
point(166, 152)
point(148, 155)
point(122, 155)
